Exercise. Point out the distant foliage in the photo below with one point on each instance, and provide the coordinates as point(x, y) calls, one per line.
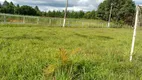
point(27, 10)
point(72, 14)
point(123, 10)
point(10, 8)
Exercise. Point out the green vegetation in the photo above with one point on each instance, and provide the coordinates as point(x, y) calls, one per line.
point(11, 8)
point(123, 11)
point(84, 50)
point(33, 52)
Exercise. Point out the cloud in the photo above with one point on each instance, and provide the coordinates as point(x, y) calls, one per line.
point(138, 1)
point(76, 5)
point(46, 5)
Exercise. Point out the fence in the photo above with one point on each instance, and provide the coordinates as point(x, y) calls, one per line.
point(19, 19)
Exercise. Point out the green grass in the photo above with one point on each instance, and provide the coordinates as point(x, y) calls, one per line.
point(32, 53)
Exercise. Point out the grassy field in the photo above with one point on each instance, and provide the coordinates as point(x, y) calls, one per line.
point(53, 53)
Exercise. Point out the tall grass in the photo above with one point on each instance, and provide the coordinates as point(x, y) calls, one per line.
point(33, 52)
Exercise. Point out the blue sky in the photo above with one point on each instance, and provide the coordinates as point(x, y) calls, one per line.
point(76, 5)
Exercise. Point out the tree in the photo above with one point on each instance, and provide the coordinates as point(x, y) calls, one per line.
point(4, 7)
point(38, 12)
point(7, 7)
point(27, 10)
point(93, 14)
point(49, 14)
point(103, 10)
point(87, 15)
point(10, 8)
point(5, 4)
point(36, 8)
point(17, 9)
point(123, 10)
point(81, 14)
point(127, 12)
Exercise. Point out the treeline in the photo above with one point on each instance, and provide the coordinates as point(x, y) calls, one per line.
point(71, 14)
point(9, 7)
point(122, 12)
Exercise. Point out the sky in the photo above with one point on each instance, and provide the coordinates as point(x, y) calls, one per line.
point(76, 5)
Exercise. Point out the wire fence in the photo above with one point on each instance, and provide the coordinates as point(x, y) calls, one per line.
point(48, 21)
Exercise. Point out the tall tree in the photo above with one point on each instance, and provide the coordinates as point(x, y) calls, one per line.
point(10, 8)
point(5, 3)
point(17, 9)
point(27, 10)
point(7, 7)
point(81, 14)
point(123, 10)
point(38, 12)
